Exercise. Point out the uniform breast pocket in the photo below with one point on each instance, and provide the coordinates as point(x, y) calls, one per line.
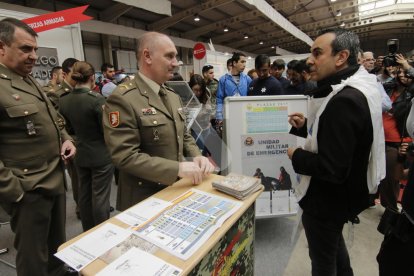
point(155, 130)
point(22, 117)
point(182, 114)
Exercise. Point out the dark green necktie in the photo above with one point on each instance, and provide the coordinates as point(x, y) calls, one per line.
point(164, 98)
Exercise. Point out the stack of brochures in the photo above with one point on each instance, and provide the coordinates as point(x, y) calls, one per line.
point(239, 186)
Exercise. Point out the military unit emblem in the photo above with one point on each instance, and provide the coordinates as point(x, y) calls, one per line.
point(114, 118)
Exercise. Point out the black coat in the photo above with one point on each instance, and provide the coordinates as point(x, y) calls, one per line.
point(338, 187)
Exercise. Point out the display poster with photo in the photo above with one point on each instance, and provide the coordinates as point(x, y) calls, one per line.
point(257, 134)
point(265, 156)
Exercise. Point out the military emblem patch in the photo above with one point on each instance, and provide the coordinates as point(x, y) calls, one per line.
point(149, 111)
point(114, 118)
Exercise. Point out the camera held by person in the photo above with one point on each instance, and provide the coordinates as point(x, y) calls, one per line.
point(390, 60)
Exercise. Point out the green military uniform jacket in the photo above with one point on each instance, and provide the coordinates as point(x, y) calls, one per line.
point(49, 87)
point(55, 94)
point(146, 142)
point(82, 110)
point(30, 139)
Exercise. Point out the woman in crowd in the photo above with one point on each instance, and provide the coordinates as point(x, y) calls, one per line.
point(395, 134)
point(201, 126)
point(82, 109)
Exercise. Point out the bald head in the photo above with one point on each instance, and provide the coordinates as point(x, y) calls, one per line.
point(157, 56)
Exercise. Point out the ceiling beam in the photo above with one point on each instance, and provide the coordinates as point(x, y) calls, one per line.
point(276, 17)
point(113, 12)
point(262, 37)
point(155, 6)
point(289, 4)
point(240, 34)
point(333, 7)
point(220, 24)
point(179, 16)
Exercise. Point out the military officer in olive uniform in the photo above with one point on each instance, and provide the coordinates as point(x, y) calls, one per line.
point(82, 108)
point(144, 127)
point(56, 79)
point(65, 87)
point(32, 178)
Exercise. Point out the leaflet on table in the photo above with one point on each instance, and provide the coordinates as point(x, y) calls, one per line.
point(88, 248)
point(136, 262)
point(132, 241)
point(185, 226)
point(143, 211)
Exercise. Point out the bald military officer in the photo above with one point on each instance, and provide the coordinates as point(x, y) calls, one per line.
point(32, 178)
point(144, 127)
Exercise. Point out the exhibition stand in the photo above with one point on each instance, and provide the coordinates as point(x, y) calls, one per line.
point(257, 136)
point(228, 250)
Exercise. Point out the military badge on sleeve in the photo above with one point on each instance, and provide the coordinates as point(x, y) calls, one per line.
point(114, 118)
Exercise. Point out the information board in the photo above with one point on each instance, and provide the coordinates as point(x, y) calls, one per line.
point(257, 137)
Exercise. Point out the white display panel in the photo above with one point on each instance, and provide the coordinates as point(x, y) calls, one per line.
point(257, 136)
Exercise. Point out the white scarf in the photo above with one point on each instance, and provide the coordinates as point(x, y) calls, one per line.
point(367, 84)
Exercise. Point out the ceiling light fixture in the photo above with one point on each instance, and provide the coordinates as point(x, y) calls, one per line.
point(196, 18)
point(342, 24)
point(246, 36)
point(273, 46)
point(261, 42)
point(338, 13)
point(226, 29)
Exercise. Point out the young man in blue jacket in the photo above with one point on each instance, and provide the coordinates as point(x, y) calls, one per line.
point(234, 83)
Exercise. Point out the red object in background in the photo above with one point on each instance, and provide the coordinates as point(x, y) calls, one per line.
point(199, 50)
point(57, 19)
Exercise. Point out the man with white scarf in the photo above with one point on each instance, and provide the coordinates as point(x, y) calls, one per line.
point(343, 158)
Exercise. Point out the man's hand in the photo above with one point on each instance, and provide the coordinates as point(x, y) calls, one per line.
point(190, 170)
point(290, 152)
point(297, 120)
point(204, 164)
point(68, 150)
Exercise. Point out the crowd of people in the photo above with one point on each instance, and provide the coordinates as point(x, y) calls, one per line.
point(357, 132)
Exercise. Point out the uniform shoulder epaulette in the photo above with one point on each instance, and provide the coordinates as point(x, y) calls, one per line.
point(93, 94)
point(60, 95)
point(63, 91)
point(169, 88)
point(125, 87)
point(4, 76)
point(48, 89)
